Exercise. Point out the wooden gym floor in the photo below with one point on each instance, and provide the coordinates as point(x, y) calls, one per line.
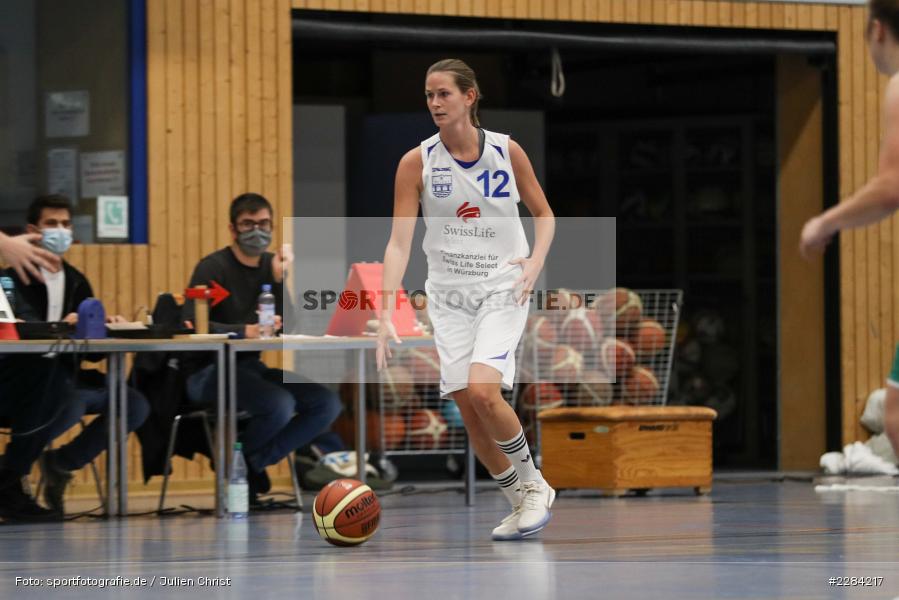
point(751, 538)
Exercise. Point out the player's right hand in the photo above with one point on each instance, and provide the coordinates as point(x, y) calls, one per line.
point(386, 333)
point(26, 258)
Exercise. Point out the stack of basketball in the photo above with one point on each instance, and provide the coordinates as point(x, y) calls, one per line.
point(405, 411)
point(595, 354)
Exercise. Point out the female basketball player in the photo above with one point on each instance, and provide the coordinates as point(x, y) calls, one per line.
point(480, 276)
point(879, 198)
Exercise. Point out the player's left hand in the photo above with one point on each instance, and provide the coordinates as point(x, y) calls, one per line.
point(281, 262)
point(815, 237)
point(530, 270)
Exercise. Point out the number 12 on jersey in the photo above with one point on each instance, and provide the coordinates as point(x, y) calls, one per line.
point(498, 192)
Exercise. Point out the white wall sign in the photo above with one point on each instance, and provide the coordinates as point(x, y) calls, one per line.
point(112, 217)
point(102, 174)
point(62, 173)
point(67, 114)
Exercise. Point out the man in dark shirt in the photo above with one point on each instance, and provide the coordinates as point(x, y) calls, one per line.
point(283, 416)
point(57, 298)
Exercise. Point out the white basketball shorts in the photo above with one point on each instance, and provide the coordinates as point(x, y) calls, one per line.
point(476, 325)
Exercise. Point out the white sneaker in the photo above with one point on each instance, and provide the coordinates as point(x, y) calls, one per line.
point(537, 499)
point(507, 529)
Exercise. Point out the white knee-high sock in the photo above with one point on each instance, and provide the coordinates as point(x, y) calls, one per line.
point(509, 484)
point(518, 452)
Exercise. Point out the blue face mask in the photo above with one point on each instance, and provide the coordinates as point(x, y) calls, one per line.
point(57, 240)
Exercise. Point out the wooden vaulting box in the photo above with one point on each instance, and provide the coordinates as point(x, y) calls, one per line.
point(621, 448)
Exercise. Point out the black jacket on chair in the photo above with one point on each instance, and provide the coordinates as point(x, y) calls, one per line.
point(158, 375)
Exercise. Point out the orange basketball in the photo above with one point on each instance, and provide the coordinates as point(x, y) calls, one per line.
point(393, 427)
point(567, 364)
point(649, 338)
point(618, 357)
point(541, 336)
point(538, 396)
point(641, 387)
point(625, 305)
point(582, 329)
point(346, 512)
point(594, 389)
point(427, 429)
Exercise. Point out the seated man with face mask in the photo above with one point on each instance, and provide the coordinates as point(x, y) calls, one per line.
point(283, 416)
point(57, 298)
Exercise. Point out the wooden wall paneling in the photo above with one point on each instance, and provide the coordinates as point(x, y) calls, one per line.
point(791, 12)
point(270, 107)
point(604, 10)
point(578, 10)
point(209, 221)
point(92, 267)
point(141, 296)
point(224, 187)
point(238, 148)
point(192, 121)
point(174, 146)
point(799, 126)
point(833, 18)
point(156, 154)
point(752, 14)
point(778, 16)
point(859, 170)
point(766, 17)
point(632, 11)
point(284, 89)
point(725, 14)
point(75, 256)
point(254, 95)
point(819, 17)
point(521, 9)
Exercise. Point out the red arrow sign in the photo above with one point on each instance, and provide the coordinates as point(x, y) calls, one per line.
point(216, 293)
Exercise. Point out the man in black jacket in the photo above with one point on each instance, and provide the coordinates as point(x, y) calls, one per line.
point(283, 416)
point(57, 298)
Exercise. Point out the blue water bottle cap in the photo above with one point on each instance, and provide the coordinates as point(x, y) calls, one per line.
point(266, 287)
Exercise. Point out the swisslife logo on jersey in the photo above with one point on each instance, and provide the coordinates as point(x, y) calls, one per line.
point(467, 212)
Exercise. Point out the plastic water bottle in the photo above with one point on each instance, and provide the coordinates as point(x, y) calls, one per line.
point(238, 489)
point(266, 312)
point(9, 288)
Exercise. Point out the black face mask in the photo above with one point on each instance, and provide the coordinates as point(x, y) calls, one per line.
point(254, 242)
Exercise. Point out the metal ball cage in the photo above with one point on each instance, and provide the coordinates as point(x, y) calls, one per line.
point(573, 364)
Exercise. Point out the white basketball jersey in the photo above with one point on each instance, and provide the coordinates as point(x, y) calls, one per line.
point(471, 214)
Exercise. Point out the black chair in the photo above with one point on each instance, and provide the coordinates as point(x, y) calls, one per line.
point(206, 417)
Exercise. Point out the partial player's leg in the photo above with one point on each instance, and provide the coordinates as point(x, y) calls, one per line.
point(891, 417)
point(891, 405)
point(502, 424)
point(497, 463)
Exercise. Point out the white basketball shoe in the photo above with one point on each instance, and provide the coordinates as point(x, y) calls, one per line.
point(507, 530)
point(537, 498)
